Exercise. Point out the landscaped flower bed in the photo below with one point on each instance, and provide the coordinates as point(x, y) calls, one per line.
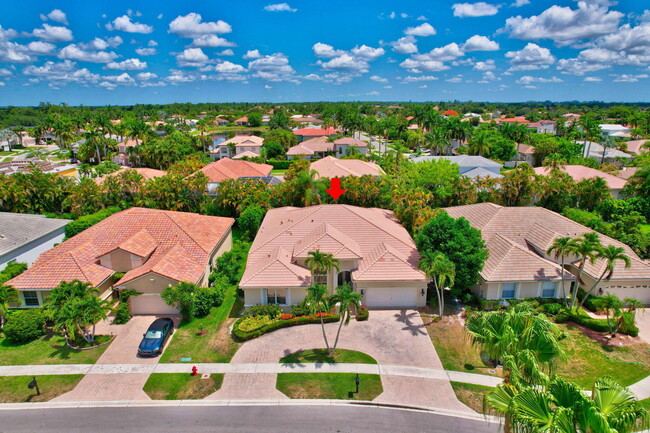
point(242, 327)
point(363, 314)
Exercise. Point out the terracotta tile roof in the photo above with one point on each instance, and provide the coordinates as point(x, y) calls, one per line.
point(315, 131)
point(351, 142)
point(227, 168)
point(526, 149)
point(636, 146)
point(249, 140)
point(242, 119)
point(246, 153)
point(580, 172)
point(311, 146)
point(146, 173)
point(341, 229)
point(532, 226)
point(183, 244)
point(331, 167)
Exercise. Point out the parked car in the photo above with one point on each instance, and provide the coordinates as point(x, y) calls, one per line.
point(153, 341)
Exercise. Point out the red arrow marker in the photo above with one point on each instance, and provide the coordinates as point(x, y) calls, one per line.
point(335, 188)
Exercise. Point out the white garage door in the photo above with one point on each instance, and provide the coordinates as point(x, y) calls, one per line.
point(391, 297)
point(151, 303)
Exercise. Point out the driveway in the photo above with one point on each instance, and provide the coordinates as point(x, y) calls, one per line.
point(123, 350)
point(392, 337)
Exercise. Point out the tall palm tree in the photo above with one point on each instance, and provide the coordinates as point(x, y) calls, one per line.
point(306, 182)
point(586, 248)
point(346, 298)
point(611, 254)
point(8, 295)
point(562, 247)
point(320, 263)
point(442, 272)
point(318, 302)
point(479, 145)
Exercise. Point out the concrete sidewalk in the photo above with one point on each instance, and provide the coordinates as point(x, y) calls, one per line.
point(383, 370)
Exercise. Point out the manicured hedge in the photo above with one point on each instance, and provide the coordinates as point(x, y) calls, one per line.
point(363, 314)
point(303, 320)
point(86, 221)
point(24, 326)
point(279, 165)
point(598, 325)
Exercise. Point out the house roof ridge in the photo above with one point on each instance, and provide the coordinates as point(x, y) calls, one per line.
point(351, 209)
point(310, 210)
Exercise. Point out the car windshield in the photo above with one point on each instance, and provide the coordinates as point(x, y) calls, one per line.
point(153, 334)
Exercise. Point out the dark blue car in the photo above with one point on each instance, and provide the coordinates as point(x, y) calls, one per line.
point(154, 340)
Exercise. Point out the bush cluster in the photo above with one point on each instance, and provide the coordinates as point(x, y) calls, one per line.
point(598, 325)
point(279, 165)
point(208, 297)
point(12, 270)
point(363, 314)
point(278, 324)
point(86, 221)
point(24, 326)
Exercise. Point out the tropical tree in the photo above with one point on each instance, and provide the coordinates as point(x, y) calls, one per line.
point(181, 296)
point(611, 254)
point(586, 248)
point(611, 305)
point(347, 299)
point(442, 272)
point(320, 263)
point(562, 247)
point(318, 303)
point(8, 295)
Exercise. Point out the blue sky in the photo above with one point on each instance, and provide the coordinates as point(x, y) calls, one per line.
point(128, 52)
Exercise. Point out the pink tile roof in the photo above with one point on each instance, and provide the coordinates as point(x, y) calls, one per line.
point(318, 132)
point(130, 143)
point(246, 153)
point(636, 146)
point(627, 172)
point(530, 227)
point(332, 167)
point(146, 173)
point(244, 140)
point(351, 142)
point(311, 146)
point(342, 230)
point(526, 149)
point(227, 168)
point(179, 245)
point(580, 172)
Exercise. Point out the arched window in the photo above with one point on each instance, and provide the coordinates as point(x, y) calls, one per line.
point(344, 277)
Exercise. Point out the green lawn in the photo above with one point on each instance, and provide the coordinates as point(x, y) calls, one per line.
point(342, 356)
point(48, 350)
point(278, 172)
point(207, 339)
point(471, 395)
point(13, 389)
point(181, 386)
point(645, 403)
point(645, 228)
point(588, 360)
point(339, 386)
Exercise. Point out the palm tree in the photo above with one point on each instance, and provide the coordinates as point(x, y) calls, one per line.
point(306, 182)
point(611, 254)
point(442, 271)
point(320, 263)
point(563, 407)
point(318, 302)
point(346, 298)
point(182, 297)
point(8, 295)
point(562, 247)
point(586, 248)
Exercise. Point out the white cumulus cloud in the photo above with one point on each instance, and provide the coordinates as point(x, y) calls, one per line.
point(127, 65)
point(193, 26)
point(124, 24)
point(531, 57)
point(424, 29)
point(480, 43)
point(279, 7)
point(480, 9)
point(53, 33)
point(192, 57)
point(56, 15)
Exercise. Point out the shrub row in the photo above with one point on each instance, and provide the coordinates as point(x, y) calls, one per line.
point(86, 221)
point(12, 270)
point(279, 165)
point(303, 320)
point(24, 326)
point(598, 325)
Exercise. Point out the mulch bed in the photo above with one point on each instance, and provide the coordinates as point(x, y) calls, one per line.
point(606, 339)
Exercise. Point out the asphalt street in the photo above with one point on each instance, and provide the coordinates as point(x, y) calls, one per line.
point(312, 419)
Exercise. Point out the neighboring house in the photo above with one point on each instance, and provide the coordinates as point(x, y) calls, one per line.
point(518, 266)
point(227, 168)
point(313, 148)
point(614, 130)
point(309, 133)
point(331, 167)
point(220, 121)
point(627, 172)
point(246, 154)
point(146, 173)
point(637, 147)
point(580, 172)
point(595, 150)
point(24, 236)
point(375, 253)
point(468, 165)
point(28, 165)
point(123, 151)
point(241, 143)
point(242, 121)
point(152, 248)
point(342, 145)
point(512, 120)
point(543, 127)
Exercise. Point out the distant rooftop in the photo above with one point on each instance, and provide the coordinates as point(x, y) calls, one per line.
point(18, 229)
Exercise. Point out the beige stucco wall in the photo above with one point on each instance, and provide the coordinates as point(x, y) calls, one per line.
point(144, 284)
point(525, 289)
point(120, 261)
point(636, 289)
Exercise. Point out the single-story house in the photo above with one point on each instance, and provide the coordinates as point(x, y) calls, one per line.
point(313, 148)
point(342, 145)
point(227, 168)
point(375, 254)
point(331, 167)
point(614, 130)
point(152, 248)
point(241, 143)
point(24, 236)
point(595, 150)
point(512, 120)
point(637, 147)
point(28, 165)
point(525, 153)
point(580, 172)
point(146, 173)
point(220, 121)
point(468, 165)
point(518, 266)
point(246, 154)
point(543, 127)
point(242, 121)
point(308, 133)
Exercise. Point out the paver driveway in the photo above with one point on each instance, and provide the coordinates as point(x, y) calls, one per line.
point(123, 350)
point(392, 337)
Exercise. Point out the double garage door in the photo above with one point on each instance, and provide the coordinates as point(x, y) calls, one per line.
point(151, 304)
point(391, 297)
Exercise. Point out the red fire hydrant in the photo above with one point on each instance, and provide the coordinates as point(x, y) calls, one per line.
point(195, 371)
